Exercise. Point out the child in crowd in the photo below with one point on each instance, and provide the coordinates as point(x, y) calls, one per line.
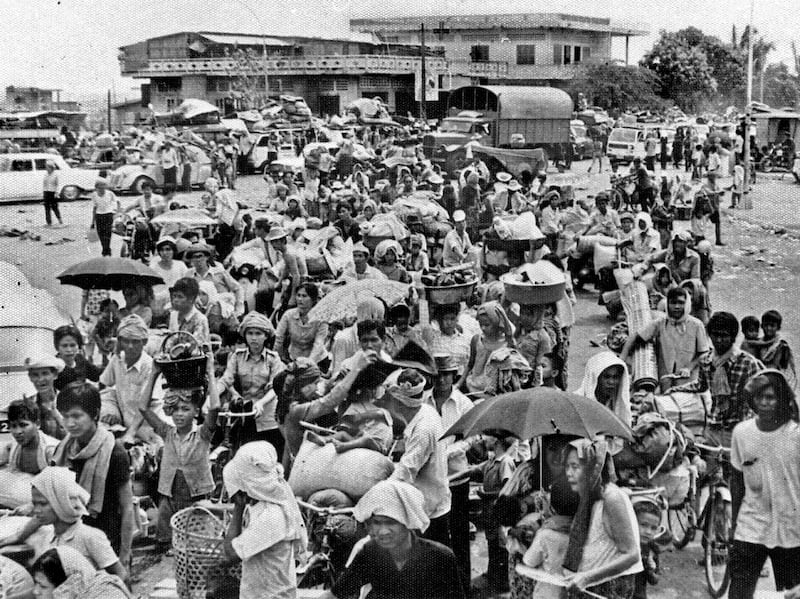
point(697, 162)
point(774, 351)
point(42, 371)
point(365, 425)
point(185, 475)
point(549, 370)
point(184, 316)
point(30, 450)
point(496, 472)
point(751, 329)
point(648, 515)
point(550, 543)
point(533, 341)
point(496, 332)
point(104, 332)
point(68, 342)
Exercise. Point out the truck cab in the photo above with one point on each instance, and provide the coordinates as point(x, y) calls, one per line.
point(465, 126)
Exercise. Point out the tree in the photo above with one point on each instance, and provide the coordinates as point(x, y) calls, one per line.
point(682, 69)
point(761, 49)
point(247, 83)
point(726, 61)
point(781, 88)
point(616, 87)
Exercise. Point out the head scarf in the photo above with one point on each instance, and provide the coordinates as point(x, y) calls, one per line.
point(397, 500)
point(370, 204)
point(133, 327)
point(370, 309)
point(45, 361)
point(67, 498)
point(255, 471)
point(256, 320)
point(409, 395)
point(591, 375)
point(497, 316)
point(172, 396)
point(421, 239)
point(644, 216)
point(386, 245)
point(594, 456)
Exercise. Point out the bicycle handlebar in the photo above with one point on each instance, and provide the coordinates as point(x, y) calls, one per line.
point(330, 511)
point(236, 414)
point(718, 449)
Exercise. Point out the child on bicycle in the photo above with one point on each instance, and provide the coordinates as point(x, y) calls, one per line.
point(185, 475)
point(648, 515)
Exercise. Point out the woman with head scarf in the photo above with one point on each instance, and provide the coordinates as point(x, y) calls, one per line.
point(396, 561)
point(387, 254)
point(646, 240)
point(683, 262)
point(417, 258)
point(63, 573)
point(603, 551)
point(58, 500)
point(274, 532)
point(606, 380)
point(765, 486)
point(496, 333)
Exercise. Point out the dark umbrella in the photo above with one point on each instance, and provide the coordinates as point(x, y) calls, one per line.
point(538, 412)
point(109, 273)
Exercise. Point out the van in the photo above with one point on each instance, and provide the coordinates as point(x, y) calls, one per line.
point(625, 144)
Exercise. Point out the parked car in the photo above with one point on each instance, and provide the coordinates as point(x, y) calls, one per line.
point(22, 336)
point(582, 144)
point(103, 158)
point(625, 144)
point(129, 178)
point(21, 177)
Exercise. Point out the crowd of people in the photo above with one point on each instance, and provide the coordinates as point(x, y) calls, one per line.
point(401, 372)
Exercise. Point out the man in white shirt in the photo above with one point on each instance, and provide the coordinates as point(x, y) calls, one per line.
point(149, 203)
point(456, 242)
point(168, 160)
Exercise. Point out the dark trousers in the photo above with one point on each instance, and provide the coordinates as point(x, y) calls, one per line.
point(497, 570)
point(104, 224)
point(439, 530)
point(650, 163)
point(51, 204)
point(746, 561)
point(171, 179)
point(459, 531)
point(718, 229)
point(181, 498)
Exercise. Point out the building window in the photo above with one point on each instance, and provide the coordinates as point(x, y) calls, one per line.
point(526, 54)
point(168, 84)
point(577, 54)
point(218, 84)
point(558, 54)
point(586, 53)
point(479, 54)
point(567, 55)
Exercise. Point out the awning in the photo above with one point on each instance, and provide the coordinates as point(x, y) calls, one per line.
point(244, 40)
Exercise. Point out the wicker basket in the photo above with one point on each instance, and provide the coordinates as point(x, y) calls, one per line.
point(197, 536)
point(372, 241)
point(186, 373)
point(453, 294)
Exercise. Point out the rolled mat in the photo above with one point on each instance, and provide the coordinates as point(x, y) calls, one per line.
point(636, 304)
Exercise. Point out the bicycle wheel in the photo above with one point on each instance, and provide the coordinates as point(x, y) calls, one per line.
point(716, 545)
point(682, 523)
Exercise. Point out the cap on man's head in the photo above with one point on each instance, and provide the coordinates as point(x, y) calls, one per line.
point(459, 216)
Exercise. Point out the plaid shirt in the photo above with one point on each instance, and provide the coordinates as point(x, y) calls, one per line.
point(727, 410)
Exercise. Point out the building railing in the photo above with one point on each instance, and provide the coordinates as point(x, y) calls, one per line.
point(489, 68)
point(300, 65)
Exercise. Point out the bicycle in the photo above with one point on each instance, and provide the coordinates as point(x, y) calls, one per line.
point(222, 454)
point(715, 520)
point(328, 529)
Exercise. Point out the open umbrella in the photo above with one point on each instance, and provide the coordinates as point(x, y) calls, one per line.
point(341, 302)
point(189, 217)
point(109, 273)
point(538, 412)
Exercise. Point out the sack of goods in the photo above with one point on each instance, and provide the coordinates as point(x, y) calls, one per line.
point(689, 409)
point(675, 482)
point(353, 472)
point(658, 442)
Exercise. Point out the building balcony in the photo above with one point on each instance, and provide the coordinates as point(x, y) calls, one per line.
point(468, 68)
point(300, 65)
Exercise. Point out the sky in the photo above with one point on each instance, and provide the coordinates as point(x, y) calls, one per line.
point(73, 44)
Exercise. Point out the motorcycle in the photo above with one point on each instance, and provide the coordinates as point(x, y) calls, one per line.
point(776, 158)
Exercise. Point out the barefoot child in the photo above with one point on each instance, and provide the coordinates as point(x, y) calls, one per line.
point(648, 515)
point(185, 475)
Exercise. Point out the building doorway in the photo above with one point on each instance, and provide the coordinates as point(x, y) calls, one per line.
point(329, 105)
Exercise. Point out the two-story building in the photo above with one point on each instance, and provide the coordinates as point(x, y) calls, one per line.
point(507, 49)
point(328, 73)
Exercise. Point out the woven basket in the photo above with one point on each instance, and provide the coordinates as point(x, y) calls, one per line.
point(186, 373)
point(452, 294)
point(637, 309)
point(197, 536)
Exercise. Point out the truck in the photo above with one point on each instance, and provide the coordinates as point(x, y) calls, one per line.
point(515, 129)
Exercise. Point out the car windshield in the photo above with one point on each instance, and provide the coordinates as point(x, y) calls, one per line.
point(13, 353)
point(579, 131)
point(450, 126)
point(626, 135)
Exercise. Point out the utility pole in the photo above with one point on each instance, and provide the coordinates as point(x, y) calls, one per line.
point(108, 110)
point(747, 201)
point(423, 112)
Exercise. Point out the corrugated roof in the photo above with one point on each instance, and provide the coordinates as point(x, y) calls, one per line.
point(244, 39)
